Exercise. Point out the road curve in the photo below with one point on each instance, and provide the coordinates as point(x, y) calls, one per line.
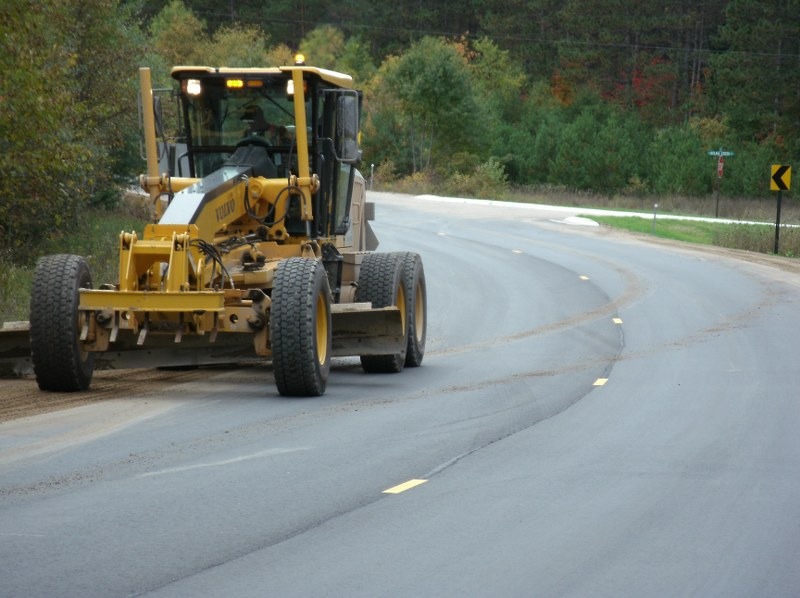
point(596, 415)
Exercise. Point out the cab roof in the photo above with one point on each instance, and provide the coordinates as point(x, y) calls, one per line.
point(332, 77)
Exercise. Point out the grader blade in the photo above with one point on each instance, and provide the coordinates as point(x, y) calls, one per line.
point(358, 330)
point(15, 350)
point(161, 350)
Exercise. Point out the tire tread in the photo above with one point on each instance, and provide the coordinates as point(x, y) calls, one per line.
point(380, 275)
point(293, 327)
point(55, 352)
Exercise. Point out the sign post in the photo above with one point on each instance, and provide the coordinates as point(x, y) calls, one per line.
point(780, 181)
point(720, 153)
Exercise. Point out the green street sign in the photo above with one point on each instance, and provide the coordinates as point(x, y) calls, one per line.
point(719, 152)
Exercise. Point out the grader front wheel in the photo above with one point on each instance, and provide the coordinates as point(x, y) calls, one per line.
point(300, 327)
point(58, 360)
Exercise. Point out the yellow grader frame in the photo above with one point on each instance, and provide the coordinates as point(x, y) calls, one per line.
point(260, 249)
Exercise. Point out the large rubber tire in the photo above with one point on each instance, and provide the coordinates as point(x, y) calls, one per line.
point(300, 328)
point(58, 361)
point(416, 307)
point(380, 282)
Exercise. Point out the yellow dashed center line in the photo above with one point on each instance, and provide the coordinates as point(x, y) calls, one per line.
point(600, 382)
point(617, 320)
point(404, 486)
point(582, 277)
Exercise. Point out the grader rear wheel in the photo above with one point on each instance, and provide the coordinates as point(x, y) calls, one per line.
point(300, 327)
point(380, 282)
point(58, 361)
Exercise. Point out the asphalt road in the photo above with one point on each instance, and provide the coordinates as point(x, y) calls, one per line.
point(596, 416)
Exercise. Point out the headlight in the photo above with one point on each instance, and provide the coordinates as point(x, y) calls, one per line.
point(193, 87)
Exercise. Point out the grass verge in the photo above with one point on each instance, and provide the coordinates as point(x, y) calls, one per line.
point(749, 237)
point(97, 241)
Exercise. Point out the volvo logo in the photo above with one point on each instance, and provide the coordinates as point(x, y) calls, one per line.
point(225, 210)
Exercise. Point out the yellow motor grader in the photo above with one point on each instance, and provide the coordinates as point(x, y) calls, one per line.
point(260, 245)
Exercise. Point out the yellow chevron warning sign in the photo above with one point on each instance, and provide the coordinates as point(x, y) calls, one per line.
point(781, 178)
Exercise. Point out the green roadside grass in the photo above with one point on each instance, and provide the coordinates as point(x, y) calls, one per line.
point(96, 240)
point(749, 237)
point(690, 231)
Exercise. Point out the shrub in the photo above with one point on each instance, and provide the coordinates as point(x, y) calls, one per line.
point(416, 183)
point(487, 180)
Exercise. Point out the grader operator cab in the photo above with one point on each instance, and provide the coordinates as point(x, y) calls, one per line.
point(261, 245)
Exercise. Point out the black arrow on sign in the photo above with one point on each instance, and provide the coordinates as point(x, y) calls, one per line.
point(777, 178)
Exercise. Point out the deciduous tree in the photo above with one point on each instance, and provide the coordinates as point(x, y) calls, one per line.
point(67, 108)
point(425, 105)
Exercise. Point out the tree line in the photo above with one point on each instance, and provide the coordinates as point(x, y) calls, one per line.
point(611, 96)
